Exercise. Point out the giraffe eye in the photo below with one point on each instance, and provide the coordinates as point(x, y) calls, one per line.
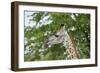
point(56, 35)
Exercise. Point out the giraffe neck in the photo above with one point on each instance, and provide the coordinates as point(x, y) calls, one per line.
point(71, 50)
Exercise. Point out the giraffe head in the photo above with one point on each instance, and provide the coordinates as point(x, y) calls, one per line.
point(58, 37)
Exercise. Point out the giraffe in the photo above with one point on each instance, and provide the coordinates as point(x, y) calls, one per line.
point(62, 36)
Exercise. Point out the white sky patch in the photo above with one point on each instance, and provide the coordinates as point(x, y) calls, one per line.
point(46, 33)
point(29, 22)
point(32, 38)
point(76, 14)
point(27, 50)
point(44, 21)
point(73, 28)
point(28, 17)
point(25, 40)
point(73, 17)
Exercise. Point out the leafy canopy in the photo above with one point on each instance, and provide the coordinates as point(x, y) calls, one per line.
point(42, 24)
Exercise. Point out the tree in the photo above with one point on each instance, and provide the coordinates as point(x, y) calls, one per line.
point(45, 24)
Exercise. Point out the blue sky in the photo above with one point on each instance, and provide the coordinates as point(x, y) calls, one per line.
point(28, 17)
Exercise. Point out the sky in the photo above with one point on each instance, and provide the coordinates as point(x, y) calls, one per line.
point(28, 22)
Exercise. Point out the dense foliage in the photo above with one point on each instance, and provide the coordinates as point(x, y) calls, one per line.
point(46, 23)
